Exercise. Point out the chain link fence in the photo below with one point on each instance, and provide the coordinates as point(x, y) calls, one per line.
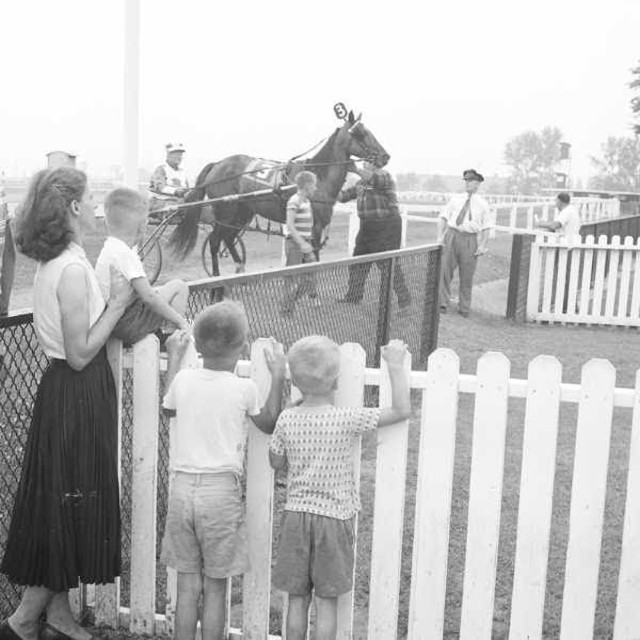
point(286, 304)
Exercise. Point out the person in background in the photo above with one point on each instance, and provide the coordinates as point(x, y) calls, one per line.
point(463, 230)
point(169, 183)
point(316, 439)
point(380, 229)
point(566, 223)
point(567, 219)
point(298, 247)
point(65, 523)
point(205, 537)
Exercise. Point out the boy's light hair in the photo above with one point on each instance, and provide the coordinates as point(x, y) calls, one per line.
point(123, 208)
point(305, 178)
point(221, 328)
point(314, 363)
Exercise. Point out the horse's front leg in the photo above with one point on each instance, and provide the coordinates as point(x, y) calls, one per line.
point(230, 242)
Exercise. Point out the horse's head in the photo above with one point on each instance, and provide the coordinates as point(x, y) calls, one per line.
point(360, 142)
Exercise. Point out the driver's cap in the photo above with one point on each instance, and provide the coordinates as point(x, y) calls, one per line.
point(175, 146)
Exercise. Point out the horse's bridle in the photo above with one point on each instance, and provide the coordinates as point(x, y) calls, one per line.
point(369, 156)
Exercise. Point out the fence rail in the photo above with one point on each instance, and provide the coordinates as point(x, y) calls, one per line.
point(425, 614)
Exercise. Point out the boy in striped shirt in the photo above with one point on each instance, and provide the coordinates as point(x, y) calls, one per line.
point(298, 248)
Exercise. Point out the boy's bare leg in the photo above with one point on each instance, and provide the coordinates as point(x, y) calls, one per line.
point(176, 293)
point(189, 590)
point(326, 618)
point(215, 604)
point(24, 620)
point(297, 617)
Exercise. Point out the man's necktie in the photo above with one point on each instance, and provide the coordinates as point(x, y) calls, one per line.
point(463, 212)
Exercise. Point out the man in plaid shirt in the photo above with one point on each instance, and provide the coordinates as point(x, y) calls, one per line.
point(380, 229)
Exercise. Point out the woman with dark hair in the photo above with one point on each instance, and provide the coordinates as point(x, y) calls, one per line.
point(65, 525)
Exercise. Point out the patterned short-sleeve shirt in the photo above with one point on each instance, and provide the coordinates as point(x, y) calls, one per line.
point(318, 443)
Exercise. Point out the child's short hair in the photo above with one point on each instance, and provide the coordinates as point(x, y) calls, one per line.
point(305, 178)
point(120, 205)
point(314, 363)
point(221, 328)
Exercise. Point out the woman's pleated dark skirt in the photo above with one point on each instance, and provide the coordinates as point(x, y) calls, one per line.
point(65, 525)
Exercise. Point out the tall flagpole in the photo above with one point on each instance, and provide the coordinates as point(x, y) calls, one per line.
point(131, 120)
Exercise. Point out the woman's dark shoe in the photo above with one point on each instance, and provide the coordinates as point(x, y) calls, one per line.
point(7, 633)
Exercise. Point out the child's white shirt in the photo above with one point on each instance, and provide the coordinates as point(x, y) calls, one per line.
point(123, 258)
point(210, 430)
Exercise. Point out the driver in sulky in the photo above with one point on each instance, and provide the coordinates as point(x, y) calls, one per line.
point(169, 183)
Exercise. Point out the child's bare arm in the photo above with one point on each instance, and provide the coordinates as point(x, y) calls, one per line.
point(277, 461)
point(394, 354)
point(266, 419)
point(156, 303)
point(177, 345)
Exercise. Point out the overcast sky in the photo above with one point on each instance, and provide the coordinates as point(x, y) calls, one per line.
point(443, 85)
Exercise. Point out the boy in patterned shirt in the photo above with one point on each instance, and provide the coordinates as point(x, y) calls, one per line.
point(316, 439)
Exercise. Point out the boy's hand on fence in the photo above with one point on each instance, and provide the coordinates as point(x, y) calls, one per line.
point(275, 359)
point(394, 353)
point(177, 343)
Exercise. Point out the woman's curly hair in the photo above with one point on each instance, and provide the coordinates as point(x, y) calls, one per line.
point(43, 228)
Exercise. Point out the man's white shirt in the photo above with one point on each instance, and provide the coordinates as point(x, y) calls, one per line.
point(569, 218)
point(477, 219)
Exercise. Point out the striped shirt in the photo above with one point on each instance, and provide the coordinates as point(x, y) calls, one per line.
point(303, 221)
point(376, 197)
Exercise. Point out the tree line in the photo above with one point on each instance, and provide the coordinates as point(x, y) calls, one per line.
point(533, 159)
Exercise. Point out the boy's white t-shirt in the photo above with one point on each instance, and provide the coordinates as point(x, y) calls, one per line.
point(124, 258)
point(209, 433)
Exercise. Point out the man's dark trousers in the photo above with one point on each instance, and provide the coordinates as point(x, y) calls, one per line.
point(375, 236)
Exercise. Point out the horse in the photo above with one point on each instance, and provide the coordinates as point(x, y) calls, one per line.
point(243, 174)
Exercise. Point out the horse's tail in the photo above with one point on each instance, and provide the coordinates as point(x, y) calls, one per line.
point(184, 236)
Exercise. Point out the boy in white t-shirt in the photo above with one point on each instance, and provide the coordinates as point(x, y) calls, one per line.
point(150, 308)
point(205, 537)
point(316, 440)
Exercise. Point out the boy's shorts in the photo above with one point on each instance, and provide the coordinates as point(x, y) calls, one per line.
point(205, 529)
point(315, 552)
point(137, 322)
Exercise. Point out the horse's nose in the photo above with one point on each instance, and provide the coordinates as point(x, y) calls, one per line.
point(385, 157)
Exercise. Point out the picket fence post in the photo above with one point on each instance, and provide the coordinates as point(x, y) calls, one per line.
point(144, 457)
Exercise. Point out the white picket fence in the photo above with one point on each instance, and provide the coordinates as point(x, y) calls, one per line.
point(441, 388)
point(581, 281)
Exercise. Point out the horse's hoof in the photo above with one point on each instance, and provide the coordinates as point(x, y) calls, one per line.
point(240, 268)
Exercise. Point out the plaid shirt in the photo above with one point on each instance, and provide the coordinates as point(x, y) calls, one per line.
point(376, 197)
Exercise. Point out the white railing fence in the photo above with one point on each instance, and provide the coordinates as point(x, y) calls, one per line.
point(510, 217)
point(442, 408)
point(582, 281)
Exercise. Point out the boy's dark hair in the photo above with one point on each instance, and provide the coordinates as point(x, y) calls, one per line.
point(43, 227)
point(564, 197)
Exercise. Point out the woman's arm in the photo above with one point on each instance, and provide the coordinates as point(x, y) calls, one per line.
point(81, 341)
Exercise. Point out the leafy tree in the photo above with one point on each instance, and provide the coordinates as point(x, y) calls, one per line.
point(435, 183)
point(618, 166)
point(532, 157)
point(635, 101)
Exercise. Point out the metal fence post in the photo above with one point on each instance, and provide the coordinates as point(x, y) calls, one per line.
point(519, 276)
point(384, 313)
